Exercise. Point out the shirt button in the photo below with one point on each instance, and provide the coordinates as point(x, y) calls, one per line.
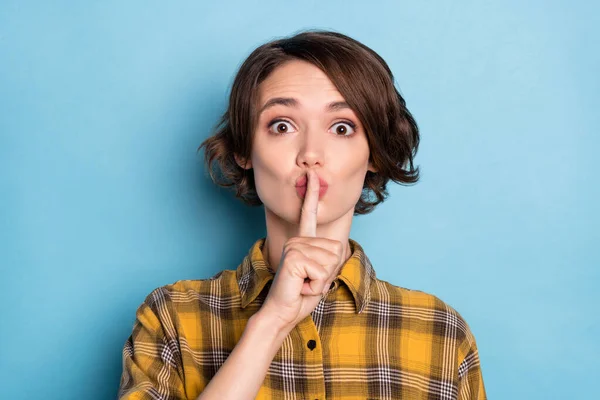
point(311, 344)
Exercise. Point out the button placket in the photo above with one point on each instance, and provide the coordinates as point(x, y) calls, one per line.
point(311, 343)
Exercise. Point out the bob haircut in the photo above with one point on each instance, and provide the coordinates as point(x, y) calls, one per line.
point(361, 76)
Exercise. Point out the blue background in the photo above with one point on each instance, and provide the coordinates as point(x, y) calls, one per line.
point(104, 198)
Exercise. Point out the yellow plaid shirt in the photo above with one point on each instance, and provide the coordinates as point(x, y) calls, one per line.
point(367, 339)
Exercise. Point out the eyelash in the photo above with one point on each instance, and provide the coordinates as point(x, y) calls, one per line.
point(349, 123)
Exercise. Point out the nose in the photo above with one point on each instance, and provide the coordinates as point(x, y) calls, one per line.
point(311, 148)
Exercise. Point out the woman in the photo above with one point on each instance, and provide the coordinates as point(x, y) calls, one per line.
point(314, 131)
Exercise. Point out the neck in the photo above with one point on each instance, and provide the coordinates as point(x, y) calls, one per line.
point(280, 231)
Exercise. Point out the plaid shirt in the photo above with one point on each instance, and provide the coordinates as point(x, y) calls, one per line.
point(367, 339)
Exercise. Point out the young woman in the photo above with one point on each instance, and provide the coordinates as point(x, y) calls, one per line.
point(314, 131)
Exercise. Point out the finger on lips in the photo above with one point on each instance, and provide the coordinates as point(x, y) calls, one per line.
point(308, 214)
point(308, 228)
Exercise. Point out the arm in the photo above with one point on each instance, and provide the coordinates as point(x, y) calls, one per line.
point(244, 371)
point(152, 369)
point(470, 379)
point(152, 365)
point(308, 266)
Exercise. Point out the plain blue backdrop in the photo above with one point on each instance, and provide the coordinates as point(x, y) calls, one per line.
point(104, 197)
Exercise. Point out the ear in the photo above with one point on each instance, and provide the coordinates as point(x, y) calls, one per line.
point(371, 167)
point(242, 162)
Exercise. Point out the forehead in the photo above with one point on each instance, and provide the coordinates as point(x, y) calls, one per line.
point(297, 78)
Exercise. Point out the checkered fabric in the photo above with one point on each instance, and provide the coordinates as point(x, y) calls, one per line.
point(366, 339)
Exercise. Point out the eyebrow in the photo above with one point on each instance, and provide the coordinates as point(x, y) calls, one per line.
point(291, 102)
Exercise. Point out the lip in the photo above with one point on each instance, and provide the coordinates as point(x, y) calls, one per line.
point(301, 186)
point(301, 181)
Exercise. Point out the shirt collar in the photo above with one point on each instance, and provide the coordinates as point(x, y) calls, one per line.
point(357, 273)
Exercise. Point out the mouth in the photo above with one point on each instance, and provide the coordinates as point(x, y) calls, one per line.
point(301, 186)
point(301, 181)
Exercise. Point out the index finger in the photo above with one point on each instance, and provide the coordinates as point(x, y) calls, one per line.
point(308, 213)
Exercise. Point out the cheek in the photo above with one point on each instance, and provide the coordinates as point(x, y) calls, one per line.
point(269, 174)
point(354, 163)
point(352, 173)
point(264, 151)
point(268, 165)
point(272, 158)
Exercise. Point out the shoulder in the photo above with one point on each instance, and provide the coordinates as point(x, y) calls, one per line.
point(428, 308)
point(221, 278)
point(185, 290)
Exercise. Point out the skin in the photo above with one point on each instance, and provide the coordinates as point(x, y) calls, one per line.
point(290, 299)
point(307, 238)
point(313, 139)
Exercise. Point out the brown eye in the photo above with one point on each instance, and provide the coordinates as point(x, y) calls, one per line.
point(281, 127)
point(343, 129)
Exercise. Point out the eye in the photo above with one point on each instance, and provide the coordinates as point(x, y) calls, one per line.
point(281, 127)
point(344, 128)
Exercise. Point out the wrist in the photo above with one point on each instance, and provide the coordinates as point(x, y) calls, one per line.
point(270, 322)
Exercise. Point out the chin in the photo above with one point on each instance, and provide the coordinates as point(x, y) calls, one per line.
point(291, 215)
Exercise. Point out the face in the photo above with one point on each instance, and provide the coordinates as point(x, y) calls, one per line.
point(304, 123)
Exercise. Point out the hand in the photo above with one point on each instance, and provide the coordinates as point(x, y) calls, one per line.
point(308, 266)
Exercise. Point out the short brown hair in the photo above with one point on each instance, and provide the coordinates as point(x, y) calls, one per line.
point(361, 76)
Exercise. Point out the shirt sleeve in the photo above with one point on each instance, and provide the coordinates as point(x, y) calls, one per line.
point(152, 365)
point(470, 379)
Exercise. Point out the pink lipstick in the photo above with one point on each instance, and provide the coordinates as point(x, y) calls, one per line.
point(301, 186)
